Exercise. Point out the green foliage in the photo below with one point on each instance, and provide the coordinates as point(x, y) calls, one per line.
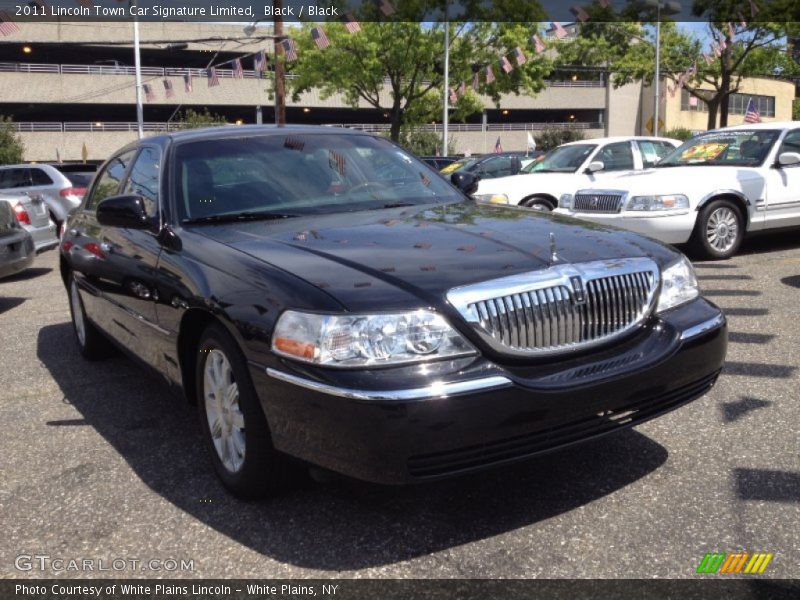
point(193, 119)
point(423, 143)
point(550, 138)
point(677, 133)
point(12, 149)
point(627, 50)
point(397, 66)
point(796, 109)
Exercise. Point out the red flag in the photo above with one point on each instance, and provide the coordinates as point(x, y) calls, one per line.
point(560, 32)
point(579, 13)
point(319, 37)
point(168, 89)
point(351, 24)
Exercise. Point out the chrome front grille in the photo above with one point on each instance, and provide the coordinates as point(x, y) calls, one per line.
point(563, 308)
point(602, 203)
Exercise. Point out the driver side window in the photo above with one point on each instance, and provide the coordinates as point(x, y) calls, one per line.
point(108, 181)
point(791, 143)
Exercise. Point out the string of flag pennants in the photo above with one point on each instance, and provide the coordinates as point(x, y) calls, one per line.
point(507, 63)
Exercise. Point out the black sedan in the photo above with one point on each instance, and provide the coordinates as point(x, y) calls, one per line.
point(323, 295)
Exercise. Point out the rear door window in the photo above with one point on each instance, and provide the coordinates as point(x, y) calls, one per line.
point(15, 178)
point(616, 157)
point(39, 177)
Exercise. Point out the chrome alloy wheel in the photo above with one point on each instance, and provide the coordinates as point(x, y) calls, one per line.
point(722, 229)
point(78, 318)
point(225, 418)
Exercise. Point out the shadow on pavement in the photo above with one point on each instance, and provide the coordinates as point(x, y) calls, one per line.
point(733, 411)
point(10, 302)
point(793, 281)
point(341, 525)
point(770, 242)
point(764, 484)
point(31, 273)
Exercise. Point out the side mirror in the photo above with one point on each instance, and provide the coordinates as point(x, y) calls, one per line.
point(466, 182)
point(123, 211)
point(787, 159)
point(594, 166)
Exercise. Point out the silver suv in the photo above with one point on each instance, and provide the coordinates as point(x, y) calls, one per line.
point(55, 188)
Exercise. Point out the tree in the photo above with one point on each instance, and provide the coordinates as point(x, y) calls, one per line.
point(12, 150)
point(552, 137)
point(192, 119)
point(742, 50)
point(396, 67)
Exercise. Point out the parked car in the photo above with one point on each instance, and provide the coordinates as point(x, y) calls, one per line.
point(438, 162)
point(16, 245)
point(710, 192)
point(31, 213)
point(390, 329)
point(490, 166)
point(58, 191)
point(573, 165)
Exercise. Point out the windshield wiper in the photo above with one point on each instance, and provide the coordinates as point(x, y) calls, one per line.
point(242, 216)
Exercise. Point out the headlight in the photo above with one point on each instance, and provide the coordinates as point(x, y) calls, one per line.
point(656, 203)
point(678, 285)
point(366, 340)
point(492, 198)
point(565, 201)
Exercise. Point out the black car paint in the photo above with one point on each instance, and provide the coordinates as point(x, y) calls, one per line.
point(152, 290)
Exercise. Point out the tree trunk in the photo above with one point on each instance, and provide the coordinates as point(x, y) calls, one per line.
point(397, 121)
point(713, 107)
point(725, 87)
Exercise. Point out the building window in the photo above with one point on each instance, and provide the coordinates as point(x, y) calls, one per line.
point(737, 103)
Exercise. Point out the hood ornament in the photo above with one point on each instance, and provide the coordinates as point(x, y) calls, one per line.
point(553, 253)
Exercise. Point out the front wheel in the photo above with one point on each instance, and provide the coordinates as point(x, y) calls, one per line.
point(92, 344)
point(232, 420)
point(719, 230)
point(538, 203)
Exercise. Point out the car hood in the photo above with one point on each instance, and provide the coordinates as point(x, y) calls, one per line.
point(693, 181)
point(400, 258)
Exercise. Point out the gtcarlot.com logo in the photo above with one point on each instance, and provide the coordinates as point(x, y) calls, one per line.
point(735, 563)
point(57, 564)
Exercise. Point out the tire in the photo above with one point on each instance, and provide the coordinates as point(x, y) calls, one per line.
point(539, 203)
point(241, 447)
point(719, 230)
point(92, 344)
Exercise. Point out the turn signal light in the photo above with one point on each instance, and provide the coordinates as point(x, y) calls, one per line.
point(295, 348)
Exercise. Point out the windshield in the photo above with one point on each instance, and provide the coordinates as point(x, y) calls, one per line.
point(300, 175)
point(737, 147)
point(80, 180)
point(564, 159)
point(459, 164)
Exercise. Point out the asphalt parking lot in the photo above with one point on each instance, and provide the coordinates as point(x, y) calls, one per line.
point(99, 461)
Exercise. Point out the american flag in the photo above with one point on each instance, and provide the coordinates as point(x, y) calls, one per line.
point(489, 74)
point(579, 13)
point(148, 92)
point(476, 81)
point(538, 44)
point(168, 89)
point(337, 161)
point(7, 26)
point(386, 7)
point(187, 82)
point(751, 115)
point(520, 57)
point(462, 89)
point(351, 24)
point(560, 32)
point(453, 96)
point(289, 49)
point(238, 71)
point(715, 49)
point(708, 59)
point(319, 37)
point(506, 65)
point(260, 62)
point(213, 78)
point(498, 147)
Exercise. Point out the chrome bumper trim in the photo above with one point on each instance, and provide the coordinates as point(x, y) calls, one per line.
point(703, 327)
point(439, 389)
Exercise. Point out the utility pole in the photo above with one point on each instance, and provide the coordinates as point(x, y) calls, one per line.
point(446, 87)
point(280, 71)
point(137, 61)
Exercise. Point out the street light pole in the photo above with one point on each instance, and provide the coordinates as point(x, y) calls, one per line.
point(656, 99)
point(446, 114)
point(137, 61)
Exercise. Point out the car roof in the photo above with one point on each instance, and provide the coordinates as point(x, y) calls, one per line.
point(233, 131)
point(620, 138)
point(757, 126)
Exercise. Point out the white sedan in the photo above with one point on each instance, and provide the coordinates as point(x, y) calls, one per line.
point(709, 192)
point(573, 165)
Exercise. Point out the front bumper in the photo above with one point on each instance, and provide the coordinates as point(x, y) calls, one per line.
point(417, 423)
point(670, 229)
